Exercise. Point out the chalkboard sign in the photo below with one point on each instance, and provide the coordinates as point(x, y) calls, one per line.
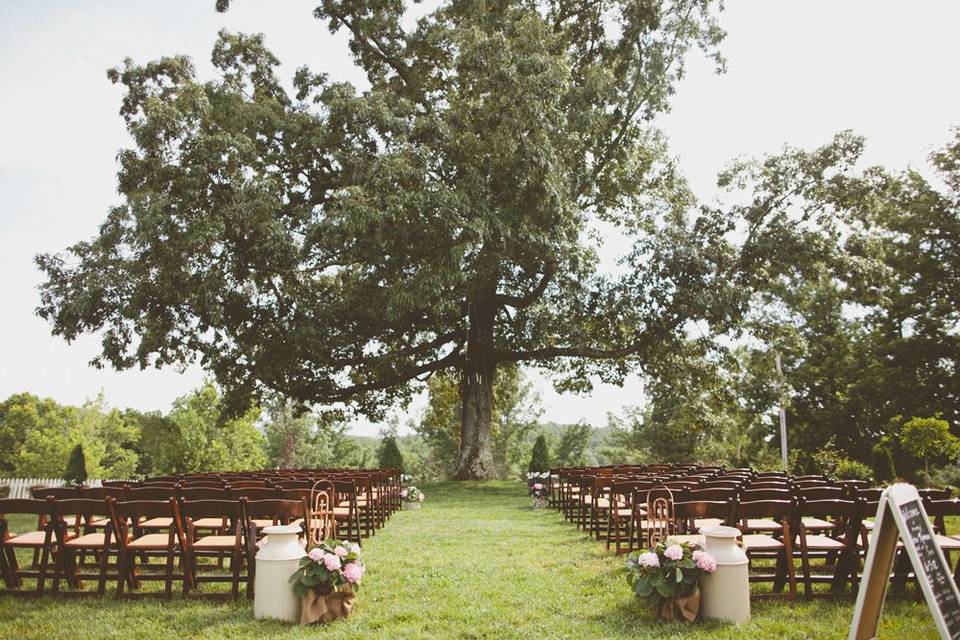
point(900, 515)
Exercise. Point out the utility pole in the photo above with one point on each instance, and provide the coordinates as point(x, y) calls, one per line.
point(783, 412)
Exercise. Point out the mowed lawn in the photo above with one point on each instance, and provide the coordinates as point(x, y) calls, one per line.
point(476, 562)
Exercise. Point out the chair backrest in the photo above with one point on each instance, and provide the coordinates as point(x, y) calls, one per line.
point(281, 511)
point(80, 512)
point(203, 493)
point(843, 513)
point(779, 493)
point(132, 510)
point(822, 493)
point(781, 511)
point(42, 493)
point(230, 510)
point(711, 493)
point(687, 511)
point(256, 493)
point(101, 493)
point(23, 506)
point(247, 484)
point(151, 493)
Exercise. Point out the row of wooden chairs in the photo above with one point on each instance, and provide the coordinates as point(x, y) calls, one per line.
point(782, 518)
point(114, 530)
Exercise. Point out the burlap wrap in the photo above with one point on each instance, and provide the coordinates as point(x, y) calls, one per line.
point(322, 608)
point(680, 608)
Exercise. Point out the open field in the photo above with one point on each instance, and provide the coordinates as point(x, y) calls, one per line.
point(475, 563)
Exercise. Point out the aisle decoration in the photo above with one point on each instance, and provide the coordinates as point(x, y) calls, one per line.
point(666, 577)
point(538, 491)
point(327, 580)
point(412, 497)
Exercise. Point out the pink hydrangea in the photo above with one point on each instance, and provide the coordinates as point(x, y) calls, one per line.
point(648, 559)
point(341, 551)
point(353, 572)
point(331, 562)
point(315, 554)
point(674, 552)
point(420, 497)
point(403, 494)
point(538, 486)
point(705, 561)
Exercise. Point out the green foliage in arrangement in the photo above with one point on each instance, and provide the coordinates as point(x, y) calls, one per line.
point(76, 471)
point(666, 571)
point(389, 456)
point(540, 456)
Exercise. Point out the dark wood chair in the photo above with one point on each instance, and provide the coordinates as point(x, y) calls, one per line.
point(41, 541)
point(279, 511)
point(836, 545)
point(228, 541)
point(94, 537)
point(769, 542)
point(127, 518)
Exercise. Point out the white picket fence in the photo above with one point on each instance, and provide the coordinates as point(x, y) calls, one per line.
point(20, 487)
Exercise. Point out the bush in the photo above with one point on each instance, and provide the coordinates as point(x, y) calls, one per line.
point(847, 469)
point(389, 456)
point(540, 456)
point(76, 471)
point(4, 491)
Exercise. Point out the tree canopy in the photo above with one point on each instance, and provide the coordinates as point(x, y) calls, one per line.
point(339, 244)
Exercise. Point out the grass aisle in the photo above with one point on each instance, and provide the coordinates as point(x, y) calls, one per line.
point(475, 563)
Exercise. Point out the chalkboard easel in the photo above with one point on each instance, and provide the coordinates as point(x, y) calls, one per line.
point(900, 515)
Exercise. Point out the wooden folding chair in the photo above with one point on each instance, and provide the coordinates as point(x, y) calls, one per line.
point(93, 536)
point(279, 511)
point(195, 515)
point(127, 517)
point(42, 542)
point(837, 545)
point(766, 542)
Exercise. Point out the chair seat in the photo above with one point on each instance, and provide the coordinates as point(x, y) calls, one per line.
point(99, 523)
point(763, 524)
point(622, 513)
point(209, 523)
point(341, 511)
point(157, 523)
point(700, 523)
point(691, 539)
point(260, 523)
point(759, 541)
point(823, 543)
point(215, 542)
point(817, 523)
point(949, 543)
point(151, 541)
point(31, 539)
point(90, 541)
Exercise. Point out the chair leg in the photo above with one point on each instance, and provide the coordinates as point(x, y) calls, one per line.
point(122, 572)
point(168, 576)
point(235, 568)
point(42, 569)
point(102, 578)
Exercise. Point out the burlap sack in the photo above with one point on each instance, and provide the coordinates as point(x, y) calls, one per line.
point(316, 608)
point(680, 608)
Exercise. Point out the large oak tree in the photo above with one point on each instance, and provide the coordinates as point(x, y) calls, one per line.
point(338, 244)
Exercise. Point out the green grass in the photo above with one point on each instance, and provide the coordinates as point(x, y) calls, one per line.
point(475, 562)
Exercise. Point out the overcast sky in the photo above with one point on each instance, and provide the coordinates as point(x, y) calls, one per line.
point(798, 72)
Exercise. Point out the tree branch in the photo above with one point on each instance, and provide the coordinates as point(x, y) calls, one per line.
point(404, 375)
point(521, 302)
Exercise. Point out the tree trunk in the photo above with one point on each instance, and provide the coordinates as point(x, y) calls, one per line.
point(475, 461)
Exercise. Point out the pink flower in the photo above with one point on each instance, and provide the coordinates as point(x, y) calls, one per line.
point(705, 561)
point(331, 562)
point(420, 498)
point(353, 572)
point(403, 494)
point(341, 552)
point(648, 559)
point(355, 548)
point(674, 552)
point(537, 486)
point(315, 554)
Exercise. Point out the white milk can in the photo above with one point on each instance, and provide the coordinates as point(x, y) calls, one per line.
point(276, 561)
point(726, 591)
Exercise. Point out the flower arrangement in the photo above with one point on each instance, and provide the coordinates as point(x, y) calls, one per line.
point(665, 578)
point(329, 567)
point(405, 479)
point(412, 494)
point(537, 476)
point(538, 491)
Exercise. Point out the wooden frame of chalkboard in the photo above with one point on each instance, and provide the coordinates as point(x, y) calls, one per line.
point(900, 515)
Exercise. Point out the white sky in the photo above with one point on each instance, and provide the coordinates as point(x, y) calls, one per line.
point(799, 71)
